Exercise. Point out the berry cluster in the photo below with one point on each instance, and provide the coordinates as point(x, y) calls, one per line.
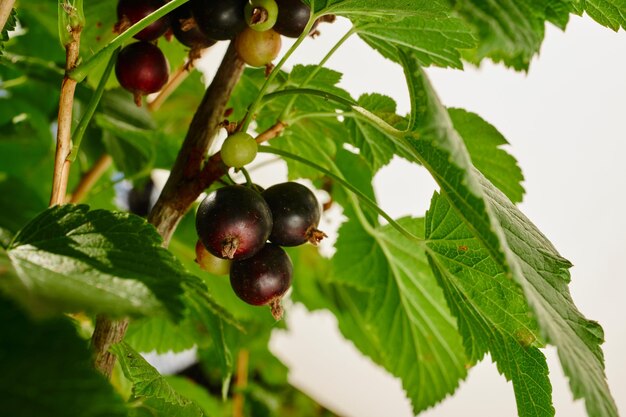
point(255, 26)
point(241, 230)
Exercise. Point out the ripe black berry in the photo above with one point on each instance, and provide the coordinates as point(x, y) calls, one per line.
point(233, 222)
point(186, 30)
point(295, 212)
point(263, 278)
point(293, 15)
point(219, 19)
point(130, 12)
point(140, 199)
point(141, 68)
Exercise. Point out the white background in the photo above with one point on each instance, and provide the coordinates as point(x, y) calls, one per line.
point(565, 121)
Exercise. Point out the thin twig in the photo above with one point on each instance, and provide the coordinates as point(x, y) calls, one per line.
point(5, 11)
point(90, 178)
point(176, 79)
point(241, 383)
point(107, 332)
point(64, 123)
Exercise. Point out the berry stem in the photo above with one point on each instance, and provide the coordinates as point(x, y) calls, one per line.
point(80, 130)
point(79, 73)
point(245, 123)
point(247, 175)
point(337, 177)
point(241, 382)
point(331, 52)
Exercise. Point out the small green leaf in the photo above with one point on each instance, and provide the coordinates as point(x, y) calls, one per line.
point(483, 142)
point(609, 13)
point(47, 370)
point(375, 8)
point(152, 392)
point(430, 40)
point(69, 258)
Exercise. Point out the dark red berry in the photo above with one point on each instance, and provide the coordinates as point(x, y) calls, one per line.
point(295, 212)
point(186, 30)
point(263, 278)
point(293, 15)
point(141, 68)
point(219, 19)
point(233, 222)
point(130, 12)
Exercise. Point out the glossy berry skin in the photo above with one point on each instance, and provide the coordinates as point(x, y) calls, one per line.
point(141, 68)
point(238, 150)
point(233, 222)
point(263, 278)
point(293, 15)
point(261, 15)
point(258, 49)
point(192, 36)
point(219, 19)
point(295, 212)
point(209, 263)
point(140, 199)
point(130, 12)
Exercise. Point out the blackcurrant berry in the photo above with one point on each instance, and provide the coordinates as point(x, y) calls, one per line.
point(263, 278)
point(186, 30)
point(130, 12)
point(141, 68)
point(219, 19)
point(239, 149)
point(258, 48)
point(140, 199)
point(295, 213)
point(261, 14)
point(233, 222)
point(293, 15)
point(211, 264)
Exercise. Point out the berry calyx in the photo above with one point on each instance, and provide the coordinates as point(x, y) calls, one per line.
point(141, 68)
point(293, 15)
point(295, 213)
point(186, 30)
point(264, 278)
point(258, 49)
point(239, 150)
point(130, 12)
point(219, 19)
point(233, 222)
point(261, 15)
point(209, 263)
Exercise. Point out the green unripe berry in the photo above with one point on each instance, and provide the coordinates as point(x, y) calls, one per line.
point(238, 150)
point(261, 15)
point(211, 264)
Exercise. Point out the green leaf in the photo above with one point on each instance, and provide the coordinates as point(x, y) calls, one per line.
point(69, 259)
point(154, 395)
point(511, 31)
point(610, 13)
point(491, 309)
point(18, 204)
point(483, 142)
point(407, 314)
point(375, 147)
point(375, 8)
point(431, 40)
point(513, 242)
point(47, 370)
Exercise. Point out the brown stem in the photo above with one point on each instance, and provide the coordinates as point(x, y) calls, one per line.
point(90, 178)
point(241, 382)
point(64, 123)
point(5, 11)
point(182, 187)
point(107, 332)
